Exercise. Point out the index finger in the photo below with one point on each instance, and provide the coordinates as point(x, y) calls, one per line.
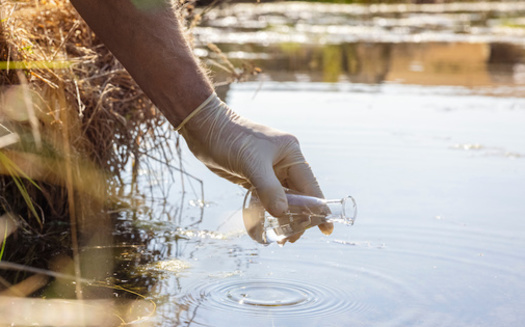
point(302, 179)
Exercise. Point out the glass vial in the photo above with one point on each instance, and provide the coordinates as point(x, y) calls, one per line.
point(303, 212)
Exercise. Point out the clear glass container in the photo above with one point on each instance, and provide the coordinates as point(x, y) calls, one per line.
point(303, 212)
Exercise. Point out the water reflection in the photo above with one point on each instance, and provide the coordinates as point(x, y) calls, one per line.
point(468, 44)
point(433, 63)
point(310, 23)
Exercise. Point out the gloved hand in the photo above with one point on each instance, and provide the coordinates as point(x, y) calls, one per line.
point(250, 154)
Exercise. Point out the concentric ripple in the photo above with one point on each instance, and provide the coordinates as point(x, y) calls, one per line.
point(269, 294)
point(415, 281)
point(282, 297)
point(339, 295)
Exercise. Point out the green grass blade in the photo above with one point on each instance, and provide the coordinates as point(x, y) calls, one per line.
point(4, 241)
point(12, 168)
point(15, 173)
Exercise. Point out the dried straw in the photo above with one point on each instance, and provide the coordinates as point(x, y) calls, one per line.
point(72, 124)
point(111, 112)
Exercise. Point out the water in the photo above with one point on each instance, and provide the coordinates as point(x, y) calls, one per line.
point(462, 44)
point(434, 157)
point(438, 173)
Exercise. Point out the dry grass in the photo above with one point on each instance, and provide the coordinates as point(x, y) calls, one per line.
point(73, 99)
point(73, 124)
point(74, 130)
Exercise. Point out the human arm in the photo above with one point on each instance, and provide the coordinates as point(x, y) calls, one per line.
point(150, 44)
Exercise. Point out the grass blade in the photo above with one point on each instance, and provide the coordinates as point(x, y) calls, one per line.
point(4, 241)
point(16, 173)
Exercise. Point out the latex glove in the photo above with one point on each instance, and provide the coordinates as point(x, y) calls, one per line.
point(250, 154)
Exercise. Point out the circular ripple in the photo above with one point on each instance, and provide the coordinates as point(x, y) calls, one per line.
point(283, 298)
point(269, 294)
point(398, 285)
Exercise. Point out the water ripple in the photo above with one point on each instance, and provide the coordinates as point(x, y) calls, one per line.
point(281, 298)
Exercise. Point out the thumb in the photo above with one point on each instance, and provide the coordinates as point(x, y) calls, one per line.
point(270, 191)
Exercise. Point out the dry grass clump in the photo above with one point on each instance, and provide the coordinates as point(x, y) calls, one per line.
point(109, 113)
point(73, 124)
point(74, 128)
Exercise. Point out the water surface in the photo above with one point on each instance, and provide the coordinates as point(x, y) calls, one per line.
point(418, 113)
point(438, 173)
point(467, 44)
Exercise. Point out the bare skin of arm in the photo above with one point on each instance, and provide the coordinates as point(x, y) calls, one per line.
point(150, 44)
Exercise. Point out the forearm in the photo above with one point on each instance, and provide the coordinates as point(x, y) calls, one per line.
point(150, 44)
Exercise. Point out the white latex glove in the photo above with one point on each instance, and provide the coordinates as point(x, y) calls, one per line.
point(250, 154)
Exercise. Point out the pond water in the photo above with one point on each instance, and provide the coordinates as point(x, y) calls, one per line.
point(438, 173)
point(428, 137)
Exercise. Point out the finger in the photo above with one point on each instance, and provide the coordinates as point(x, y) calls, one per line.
point(326, 228)
point(302, 179)
point(295, 237)
point(269, 190)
